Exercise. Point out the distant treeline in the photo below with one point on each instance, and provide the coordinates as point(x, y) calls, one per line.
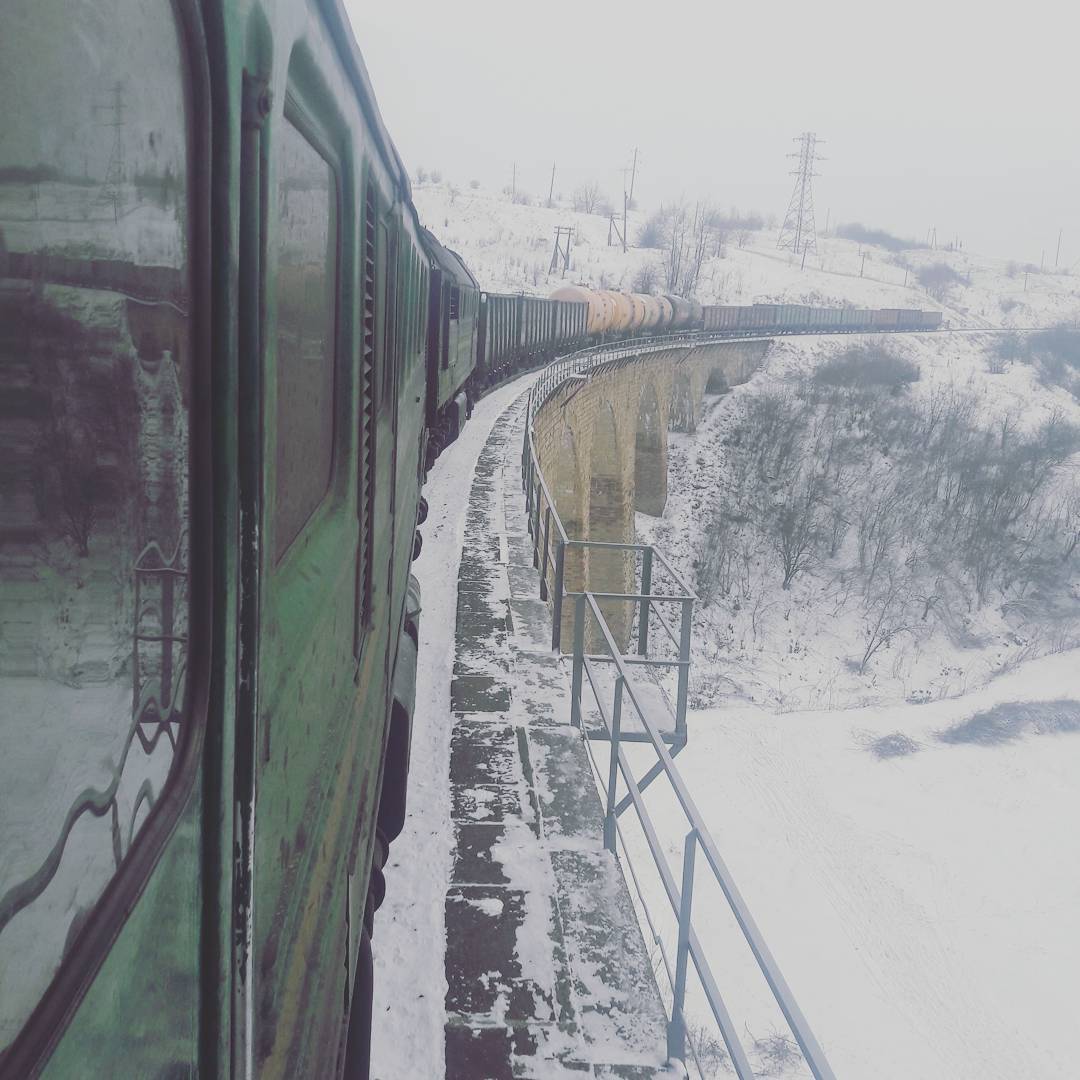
point(878, 237)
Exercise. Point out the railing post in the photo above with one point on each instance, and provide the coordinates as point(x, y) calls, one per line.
point(676, 1032)
point(579, 659)
point(534, 527)
point(684, 667)
point(546, 559)
point(556, 603)
point(613, 767)
point(646, 606)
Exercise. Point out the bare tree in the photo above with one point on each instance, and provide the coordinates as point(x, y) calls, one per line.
point(587, 198)
point(691, 234)
point(886, 618)
point(1069, 523)
point(796, 527)
point(675, 254)
point(646, 279)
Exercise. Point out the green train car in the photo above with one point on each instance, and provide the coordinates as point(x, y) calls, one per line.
point(213, 315)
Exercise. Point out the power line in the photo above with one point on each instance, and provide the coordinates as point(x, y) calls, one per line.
point(799, 233)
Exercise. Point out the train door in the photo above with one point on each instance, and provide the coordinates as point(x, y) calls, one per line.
point(305, 739)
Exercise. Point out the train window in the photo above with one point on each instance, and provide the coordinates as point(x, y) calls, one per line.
point(306, 293)
point(96, 385)
point(455, 302)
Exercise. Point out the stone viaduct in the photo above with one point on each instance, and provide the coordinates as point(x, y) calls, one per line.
point(602, 446)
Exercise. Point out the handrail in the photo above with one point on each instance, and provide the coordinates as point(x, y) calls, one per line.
point(546, 526)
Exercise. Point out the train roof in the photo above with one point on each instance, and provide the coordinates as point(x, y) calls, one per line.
point(447, 260)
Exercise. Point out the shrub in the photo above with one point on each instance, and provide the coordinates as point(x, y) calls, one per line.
point(938, 278)
point(653, 233)
point(646, 279)
point(877, 237)
point(865, 367)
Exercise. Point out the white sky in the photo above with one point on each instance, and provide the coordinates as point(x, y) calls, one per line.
point(961, 115)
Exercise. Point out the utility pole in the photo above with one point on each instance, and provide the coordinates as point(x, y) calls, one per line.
point(613, 230)
point(1057, 254)
point(1042, 260)
point(633, 175)
point(551, 190)
point(827, 213)
point(798, 232)
point(561, 254)
point(862, 265)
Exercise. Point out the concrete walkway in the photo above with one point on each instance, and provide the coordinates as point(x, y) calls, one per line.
point(546, 968)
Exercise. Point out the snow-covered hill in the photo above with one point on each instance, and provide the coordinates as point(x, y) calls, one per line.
point(508, 246)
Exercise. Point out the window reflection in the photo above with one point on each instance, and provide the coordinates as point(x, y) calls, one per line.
point(305, 343)
point(94, 401)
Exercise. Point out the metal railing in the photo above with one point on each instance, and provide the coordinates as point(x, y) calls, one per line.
point(551, 545)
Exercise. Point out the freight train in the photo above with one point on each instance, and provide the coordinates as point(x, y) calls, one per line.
point(229, 352)
point(479, 338)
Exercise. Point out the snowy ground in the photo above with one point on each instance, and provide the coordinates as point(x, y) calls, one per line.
point(919, 893)
point(410, 937)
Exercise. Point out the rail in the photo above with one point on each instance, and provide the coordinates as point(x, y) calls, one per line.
point(551, 545)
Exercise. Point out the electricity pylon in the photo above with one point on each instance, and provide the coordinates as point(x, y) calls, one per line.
point(799, 232)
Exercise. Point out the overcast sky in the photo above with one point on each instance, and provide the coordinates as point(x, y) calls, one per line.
point(951, 114)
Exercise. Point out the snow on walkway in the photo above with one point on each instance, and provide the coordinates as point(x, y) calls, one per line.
point(501, 875)
point(410, 936)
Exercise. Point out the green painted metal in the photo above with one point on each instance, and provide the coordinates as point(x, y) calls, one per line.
point(235, 955)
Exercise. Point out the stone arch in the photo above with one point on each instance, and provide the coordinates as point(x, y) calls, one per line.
point(650, 453)
point(717, 382)
point(610, 520)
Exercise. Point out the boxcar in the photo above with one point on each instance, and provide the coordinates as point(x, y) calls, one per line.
point(499, 333)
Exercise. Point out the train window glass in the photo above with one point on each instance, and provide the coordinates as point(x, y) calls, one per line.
point(95, 381)
point(306, 286)
point(455, 302)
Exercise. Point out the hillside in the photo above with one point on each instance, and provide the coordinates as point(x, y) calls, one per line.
point(508, 247)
